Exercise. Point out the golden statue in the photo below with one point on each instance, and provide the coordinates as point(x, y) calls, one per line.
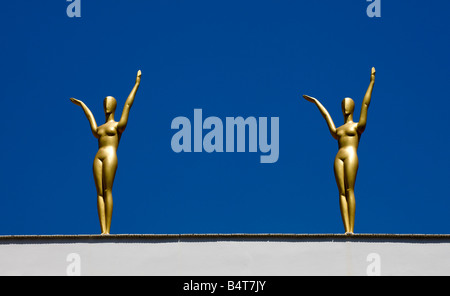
point(105, 161)
point(346, 161)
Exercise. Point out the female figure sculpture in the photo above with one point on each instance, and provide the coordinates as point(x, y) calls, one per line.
point(346, 161)
point(105, 161)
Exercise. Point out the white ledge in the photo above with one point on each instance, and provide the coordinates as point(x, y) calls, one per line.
point(235, 254)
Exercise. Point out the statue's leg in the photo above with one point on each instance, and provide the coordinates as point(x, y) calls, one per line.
point(97, 168)
point(350, 171)
point(109, 172)
point(339, 175)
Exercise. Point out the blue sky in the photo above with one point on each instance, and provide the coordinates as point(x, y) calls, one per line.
point(228, 58)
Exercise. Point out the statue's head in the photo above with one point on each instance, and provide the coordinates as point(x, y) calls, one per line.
point(348, 106)
point(109, 104)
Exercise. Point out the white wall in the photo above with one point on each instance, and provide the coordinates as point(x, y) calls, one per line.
point(224, 256)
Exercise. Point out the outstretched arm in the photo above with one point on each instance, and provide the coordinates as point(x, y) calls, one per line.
point(365, 105)
point(88, 114)
point(126, 109)
point(325, 115)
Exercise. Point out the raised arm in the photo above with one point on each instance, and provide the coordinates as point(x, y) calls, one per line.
point(365, 104)
point(325, 115)
point(88, 114)
point(126, 109)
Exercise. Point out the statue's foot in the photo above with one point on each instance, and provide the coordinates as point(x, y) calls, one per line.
point(349, 233)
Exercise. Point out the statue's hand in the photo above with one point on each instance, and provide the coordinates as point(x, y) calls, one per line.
point(138, 77)
point(75, 101)
point(372, 76)
point(310, 99)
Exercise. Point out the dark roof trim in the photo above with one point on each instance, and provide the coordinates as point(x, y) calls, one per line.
point(155, 238)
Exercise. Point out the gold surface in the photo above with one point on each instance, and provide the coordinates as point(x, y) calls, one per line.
point(346, 161)
point(105, 161)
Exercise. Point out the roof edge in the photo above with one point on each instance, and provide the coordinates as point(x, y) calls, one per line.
point(226, 236)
